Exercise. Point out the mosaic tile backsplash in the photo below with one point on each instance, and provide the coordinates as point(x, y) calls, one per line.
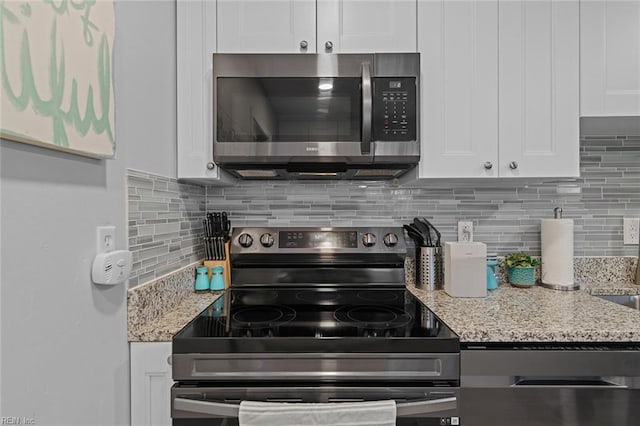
point(506, 216)
point(165, 225)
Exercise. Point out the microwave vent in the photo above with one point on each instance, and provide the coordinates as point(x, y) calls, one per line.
point(257, 173)
point(378, 172)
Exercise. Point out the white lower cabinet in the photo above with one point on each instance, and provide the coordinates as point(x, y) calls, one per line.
point(500, 88)
point(151, 383)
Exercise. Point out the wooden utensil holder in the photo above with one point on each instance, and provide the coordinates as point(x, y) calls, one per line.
point(226, 266)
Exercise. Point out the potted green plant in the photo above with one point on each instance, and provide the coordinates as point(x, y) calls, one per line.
point(521, 269)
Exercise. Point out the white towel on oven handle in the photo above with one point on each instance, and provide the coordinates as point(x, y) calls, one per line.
point(368, 413)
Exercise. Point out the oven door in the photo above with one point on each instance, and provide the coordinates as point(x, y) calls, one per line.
point(193, 405)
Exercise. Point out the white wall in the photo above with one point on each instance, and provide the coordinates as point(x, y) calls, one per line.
point(64, 344)
point(65, 358)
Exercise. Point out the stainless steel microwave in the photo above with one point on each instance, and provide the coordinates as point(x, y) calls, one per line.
point(296, 116)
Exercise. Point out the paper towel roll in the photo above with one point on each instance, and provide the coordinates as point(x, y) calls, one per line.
point(557, 251)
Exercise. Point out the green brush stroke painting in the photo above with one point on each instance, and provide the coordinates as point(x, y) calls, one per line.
point(60, 104)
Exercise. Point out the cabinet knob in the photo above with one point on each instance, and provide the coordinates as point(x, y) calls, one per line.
point(304, 44)
point(210, 165)
point(169, 360)
point(513, 165)
point(328, 45)
point(488, 165)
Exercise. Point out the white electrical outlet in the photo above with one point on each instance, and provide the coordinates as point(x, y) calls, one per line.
point(465, 232)
point(105, 239)
point(631, 230)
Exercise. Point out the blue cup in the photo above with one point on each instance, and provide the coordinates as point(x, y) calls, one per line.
point(492, 279)
point(202, 278)
point(217, 280)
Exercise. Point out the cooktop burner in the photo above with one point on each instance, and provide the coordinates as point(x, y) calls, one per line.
point(378, 296)
point(260, 321)
point(262, 316)
point(309, 320)
point(373, 316)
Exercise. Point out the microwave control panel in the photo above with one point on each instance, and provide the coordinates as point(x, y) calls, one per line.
point(394, 109)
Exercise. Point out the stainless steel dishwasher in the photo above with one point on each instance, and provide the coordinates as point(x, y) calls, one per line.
point(550, 384)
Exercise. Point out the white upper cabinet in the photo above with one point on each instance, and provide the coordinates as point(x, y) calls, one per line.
point(539, 123)
point(354, 26)
point(266, 26)
point(500, 88)
point(458, 42)
point(610, 58)
point(310, 26)
point(196, 41)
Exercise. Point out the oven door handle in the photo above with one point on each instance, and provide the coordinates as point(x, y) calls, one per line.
point(218, 409)
point(405, 409)
point(418, 408)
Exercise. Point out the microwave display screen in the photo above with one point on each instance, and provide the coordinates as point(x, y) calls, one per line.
point(276, 109)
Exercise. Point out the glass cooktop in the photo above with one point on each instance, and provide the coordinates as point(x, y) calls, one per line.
point(316, 319)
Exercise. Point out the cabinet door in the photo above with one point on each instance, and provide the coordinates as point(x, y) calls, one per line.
point(196, 41)
point(151, 384)
point(354, 26)
point(458, 43)
point(610, 58)
point(266, 26)
point(539, 88)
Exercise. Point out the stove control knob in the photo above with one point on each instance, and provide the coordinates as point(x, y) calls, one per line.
point(369, 240)
point(266, 240)
point(245, 240)
point(390, 240)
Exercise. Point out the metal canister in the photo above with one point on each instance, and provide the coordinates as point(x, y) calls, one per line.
point(429, 268)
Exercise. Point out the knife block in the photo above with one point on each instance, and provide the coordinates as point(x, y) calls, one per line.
point(226, 266)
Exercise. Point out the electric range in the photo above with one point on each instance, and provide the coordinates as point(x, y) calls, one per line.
point(316, 315)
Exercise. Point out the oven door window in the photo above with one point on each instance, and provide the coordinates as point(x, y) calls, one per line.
point(288, 109)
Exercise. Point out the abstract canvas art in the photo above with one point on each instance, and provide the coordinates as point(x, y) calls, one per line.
point(56, 86)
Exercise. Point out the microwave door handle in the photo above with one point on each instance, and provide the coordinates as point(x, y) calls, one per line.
point(367, 109)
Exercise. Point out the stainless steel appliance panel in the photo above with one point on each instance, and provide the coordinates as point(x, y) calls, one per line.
point(320, 367)
point(313, 115)
point(587, 387)
point(368, 241)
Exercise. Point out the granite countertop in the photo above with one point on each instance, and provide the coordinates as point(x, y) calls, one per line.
point(536, 314)
point(617, 289)
point(162, 328)
point(159, 309)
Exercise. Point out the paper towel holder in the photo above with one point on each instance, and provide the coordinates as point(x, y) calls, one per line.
point(557, 214)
